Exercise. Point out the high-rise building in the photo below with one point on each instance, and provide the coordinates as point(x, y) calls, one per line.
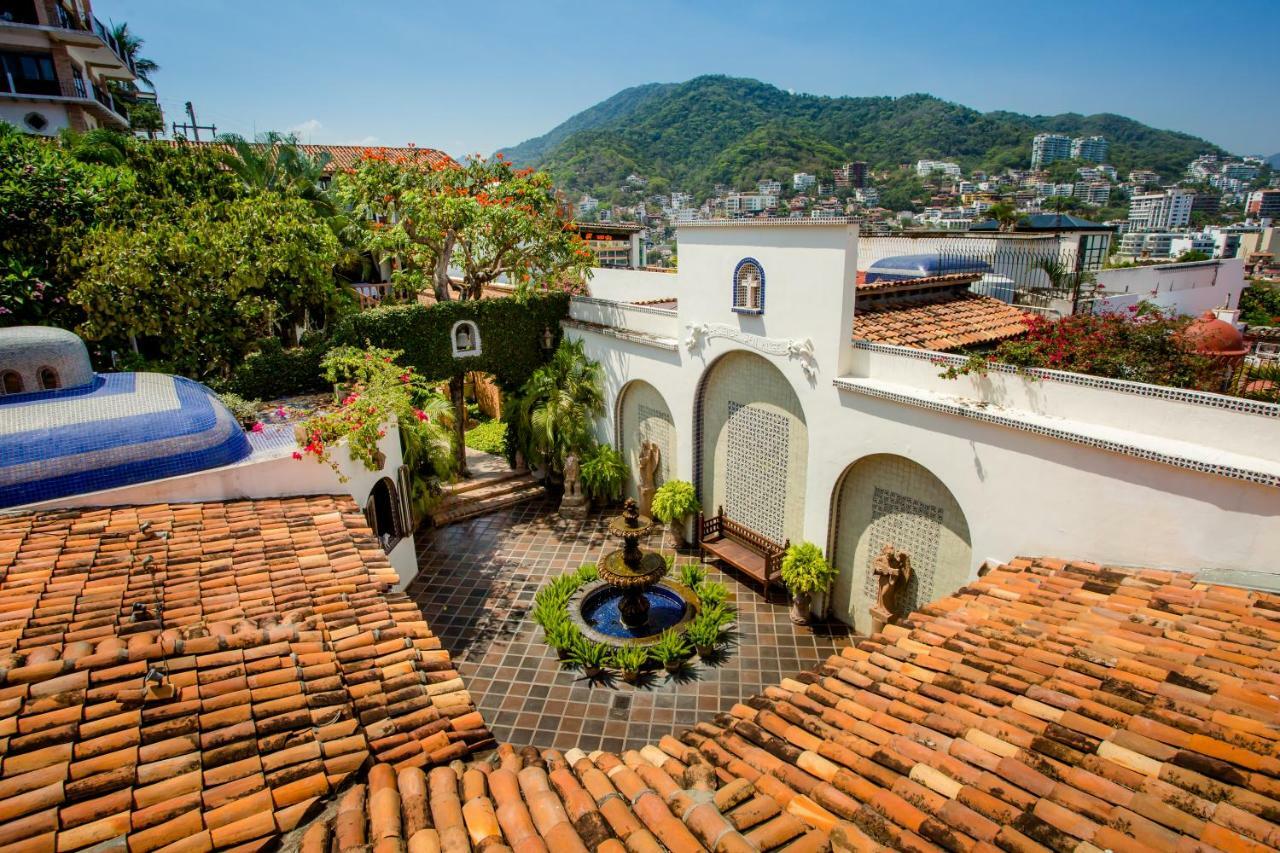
point(925, 168)
point(1264, 203)
point(851, 175)
point(802, 181)
point(56, 60)
point(1162, 211)
point(1092, 148)
point(1049, 148)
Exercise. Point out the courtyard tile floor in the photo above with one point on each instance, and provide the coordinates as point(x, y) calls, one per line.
point(476, 584)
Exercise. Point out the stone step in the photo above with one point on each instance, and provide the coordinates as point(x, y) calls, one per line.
point(484, 480)
point(482, 501)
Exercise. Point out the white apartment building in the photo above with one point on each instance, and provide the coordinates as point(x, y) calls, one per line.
point(746, 204)
point(867, 195)
point(1049, 148)
point(681, 200)
point(770, 187)
point(802, 181)
point(1240, 171)
point(1093, 192)
point(587, 206)
point(1092, 148)
point(1162, 211)
point(925, 168)
point(1144, 177)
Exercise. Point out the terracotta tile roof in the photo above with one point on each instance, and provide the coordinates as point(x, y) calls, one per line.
point(912, 283)
point(668, 303)
point(1048, 706)
point(287, 662)
point(938, 321)
point(347, 156)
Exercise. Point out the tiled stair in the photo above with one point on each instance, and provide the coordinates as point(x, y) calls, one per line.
point(485, 495)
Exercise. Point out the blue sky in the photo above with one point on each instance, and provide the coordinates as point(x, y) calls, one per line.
point(472, 77)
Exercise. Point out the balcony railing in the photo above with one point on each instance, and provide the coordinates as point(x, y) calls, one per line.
point(68, 22)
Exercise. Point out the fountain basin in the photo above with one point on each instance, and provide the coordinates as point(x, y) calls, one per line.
point(595, 609)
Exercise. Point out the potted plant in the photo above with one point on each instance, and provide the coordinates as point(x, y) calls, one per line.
point(592, 657)
point(805, 571)
point(564, 637)
point(603, 473)
point(673, 503)
point(693, 575)
point(711, 593)
point(705, 631)
point(629, 659)
point(670, 650)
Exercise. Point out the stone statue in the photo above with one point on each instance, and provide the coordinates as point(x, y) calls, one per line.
point(574, 502)
point(571, 474)
point(650, 456)
point(892, 569)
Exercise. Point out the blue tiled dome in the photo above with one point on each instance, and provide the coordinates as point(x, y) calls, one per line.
point(902, 267)
point(117, 430)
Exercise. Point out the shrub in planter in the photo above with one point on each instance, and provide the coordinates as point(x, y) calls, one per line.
point(673, 503)
point(564, 637)
point(805, 571)
point(671, 650)
point(604, 472)
point(629, 660)
point(693, 575)
point(245, 411)
point(712, 593)
point(592, 657)
point(705, 632)
point(587, 573)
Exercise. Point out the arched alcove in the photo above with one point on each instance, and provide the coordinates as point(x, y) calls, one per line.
point(641, 415)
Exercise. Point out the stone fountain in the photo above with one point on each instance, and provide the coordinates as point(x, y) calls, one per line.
point(632, 602)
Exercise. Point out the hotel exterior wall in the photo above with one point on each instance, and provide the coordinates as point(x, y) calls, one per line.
point(1022, 491)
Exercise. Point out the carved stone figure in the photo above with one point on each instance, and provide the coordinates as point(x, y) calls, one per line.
point(574, 502)
point(650, 457)
point(892, 569)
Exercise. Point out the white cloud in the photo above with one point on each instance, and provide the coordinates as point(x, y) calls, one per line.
point(364, 140)
point(307, 128)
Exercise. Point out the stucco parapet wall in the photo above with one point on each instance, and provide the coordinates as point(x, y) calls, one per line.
point(623, 334)
point(1181, 395)
point(1179, 454)
point(620, 306)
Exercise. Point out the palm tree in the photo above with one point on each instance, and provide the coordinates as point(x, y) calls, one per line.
point(557, 407)
point(1005, 214)
point(131, 46)
point(1062, 279)
point(276, 163)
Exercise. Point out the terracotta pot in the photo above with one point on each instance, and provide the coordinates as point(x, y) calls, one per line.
point(801, 603)
point(705, 651)
point(673, 666)
point(592, 671)
point(563, 654)
point(676, 529)
point(631, 676)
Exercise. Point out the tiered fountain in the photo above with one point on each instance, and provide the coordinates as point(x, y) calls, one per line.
point(632, 602)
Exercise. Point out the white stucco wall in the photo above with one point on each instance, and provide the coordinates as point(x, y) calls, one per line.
point(264, 475)
point(1022, 490)
point(1189, 289)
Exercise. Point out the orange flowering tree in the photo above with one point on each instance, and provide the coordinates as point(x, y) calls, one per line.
point(483, 217)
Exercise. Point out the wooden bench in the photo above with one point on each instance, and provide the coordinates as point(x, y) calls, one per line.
point(741, 547)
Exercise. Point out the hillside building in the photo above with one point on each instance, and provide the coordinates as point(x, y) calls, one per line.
point(1161, 211)
point(1049, 148)
point(1092, 148)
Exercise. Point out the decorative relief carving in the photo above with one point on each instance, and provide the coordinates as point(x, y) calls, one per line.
point(797, 348)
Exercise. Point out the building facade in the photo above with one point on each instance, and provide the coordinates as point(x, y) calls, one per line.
point(802, 432)
point(1049, 148)
point(1092, 148)
point(56, 63)
point(1161, 211)
point(1264, 204)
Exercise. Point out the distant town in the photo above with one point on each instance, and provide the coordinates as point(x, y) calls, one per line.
point(1218, 209)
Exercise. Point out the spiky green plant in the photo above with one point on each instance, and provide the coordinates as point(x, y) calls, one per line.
point(587, 573)
point(671, 648)
point(629, 659)
point(590, 655)
point(711, 593)
point(693, 575)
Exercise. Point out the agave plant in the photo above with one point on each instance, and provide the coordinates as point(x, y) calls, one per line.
point(629, 660)
point(693, 575)
point(592, 657)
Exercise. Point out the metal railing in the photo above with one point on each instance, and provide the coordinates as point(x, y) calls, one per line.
point(68, 22)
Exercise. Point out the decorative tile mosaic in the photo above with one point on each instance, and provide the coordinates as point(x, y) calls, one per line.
point(908, 525)
point(657, 426)
point(756, 468)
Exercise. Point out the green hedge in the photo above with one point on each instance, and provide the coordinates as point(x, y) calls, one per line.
point(510, 335)
point(273, 371)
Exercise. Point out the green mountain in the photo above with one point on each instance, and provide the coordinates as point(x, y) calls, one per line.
point(734, 131)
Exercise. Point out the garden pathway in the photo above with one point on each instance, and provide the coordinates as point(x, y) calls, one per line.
point(476, 584)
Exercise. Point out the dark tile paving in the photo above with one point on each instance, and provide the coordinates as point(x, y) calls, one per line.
point(476, 584)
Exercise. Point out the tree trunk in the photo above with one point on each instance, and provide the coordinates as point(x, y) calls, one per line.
point(440, 275)
point(456, 386)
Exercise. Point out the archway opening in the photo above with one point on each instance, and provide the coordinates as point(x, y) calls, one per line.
point(383, 513)
point(751, 446)
point(642, 417)
point(891, 500)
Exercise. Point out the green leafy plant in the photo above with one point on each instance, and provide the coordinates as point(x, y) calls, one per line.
point(604, 472)
point(671, 648)
point(712, 593)
point(488, 437)
point(674, 501)
point(670, 560)
point(564, 637)
point(705, 631)
point(629, 660)
point(587, 573)
point(555, 410)
point(245, 411)
point(805, 570)
point(693, 575)
point(590, 655)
